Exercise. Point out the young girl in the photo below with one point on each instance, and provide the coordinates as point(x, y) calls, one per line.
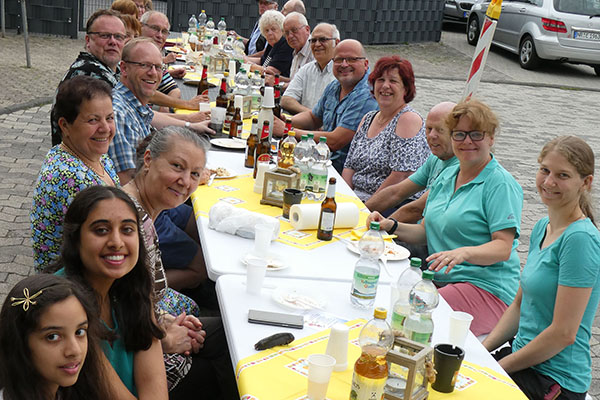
point(554, 307)
point(103, 250)
point(49, 342)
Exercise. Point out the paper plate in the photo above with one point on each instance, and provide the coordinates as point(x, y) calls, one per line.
point(393, 251)
point(274, 261)
point(229, 143)
point(298, 299)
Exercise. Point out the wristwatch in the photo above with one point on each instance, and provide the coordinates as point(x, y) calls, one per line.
point(187, 124)
point(393, 228)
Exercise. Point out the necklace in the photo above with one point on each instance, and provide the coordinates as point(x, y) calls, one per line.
point(76, 154)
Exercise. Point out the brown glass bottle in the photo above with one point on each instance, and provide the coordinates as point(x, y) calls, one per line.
point(288, 126)
point(263, 148)
point(276, 80)
point(327, 214)
point(222, 97)
point(228, 118)
point(251, 144)
point(235, 128)
point(203, 85)
point(277, 99)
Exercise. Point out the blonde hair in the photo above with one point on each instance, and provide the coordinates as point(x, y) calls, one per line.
point(481, 115)
point(581, 156)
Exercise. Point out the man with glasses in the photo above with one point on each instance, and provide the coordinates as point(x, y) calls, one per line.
point(296, 31)
point(306, 88)
point(104, 40)
point(141, 71)
point(343, 104)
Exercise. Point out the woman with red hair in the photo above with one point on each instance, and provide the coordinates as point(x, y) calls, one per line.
point(389, 144)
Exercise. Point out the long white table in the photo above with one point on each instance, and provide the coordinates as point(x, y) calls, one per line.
point(223, 252)
point(241, 335)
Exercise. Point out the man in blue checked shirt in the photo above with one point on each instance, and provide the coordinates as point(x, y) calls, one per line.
point(343, 104)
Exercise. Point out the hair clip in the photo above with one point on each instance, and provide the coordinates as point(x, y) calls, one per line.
point(26, 301)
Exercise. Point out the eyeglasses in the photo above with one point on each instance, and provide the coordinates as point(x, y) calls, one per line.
point(147, 66)
point(349, 60)
point(459, 136)
point(293, 30)
point(321, 40)
point(157, 28)
point(106, 36)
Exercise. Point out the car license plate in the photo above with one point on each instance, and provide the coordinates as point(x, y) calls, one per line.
point(585, 35)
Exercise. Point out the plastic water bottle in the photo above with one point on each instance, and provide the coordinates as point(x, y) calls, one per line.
point(192, 24)
point(210, 25)
point(371, 369)
point(255, 84)
point(242, 85)
point(239, 48)
point(423, 299)
point(202, 20)
point(366, 270)
point(222, 27)
point(299, 158)
point(401, 291)
point(228, 46)
point(319, 169)
point(311, 149)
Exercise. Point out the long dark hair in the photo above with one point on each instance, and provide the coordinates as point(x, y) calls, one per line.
point(18, 375)
point(131, 294)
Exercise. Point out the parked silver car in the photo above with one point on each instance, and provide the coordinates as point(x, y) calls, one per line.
point(536, 30)
point(457, 10)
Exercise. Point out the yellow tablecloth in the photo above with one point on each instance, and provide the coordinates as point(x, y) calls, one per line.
point(281, 373)
point(239, 192)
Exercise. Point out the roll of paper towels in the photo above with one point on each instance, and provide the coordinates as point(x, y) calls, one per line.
point(306, 216)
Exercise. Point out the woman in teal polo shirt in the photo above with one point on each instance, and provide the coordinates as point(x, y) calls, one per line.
point(553, 311)
point(471, 222)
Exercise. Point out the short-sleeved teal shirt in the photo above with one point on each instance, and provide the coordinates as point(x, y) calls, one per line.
point(491, 202)
point(572, 260)
point(430, 170)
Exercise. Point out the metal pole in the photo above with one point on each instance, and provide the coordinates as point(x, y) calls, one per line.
point(26, 32)
point(2, 18)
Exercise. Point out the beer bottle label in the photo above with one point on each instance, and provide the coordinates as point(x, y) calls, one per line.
point(265, 157)
point(327, 220)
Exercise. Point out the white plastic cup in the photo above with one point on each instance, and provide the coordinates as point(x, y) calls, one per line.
point(263, 233)
point(459, 328)
point(204, 107)
point(261, 168)
point(256, 269)
point(320, 367)
point(337, 346)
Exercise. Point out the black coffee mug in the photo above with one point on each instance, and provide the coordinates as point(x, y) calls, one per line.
point(290, 197)
point(447, 360)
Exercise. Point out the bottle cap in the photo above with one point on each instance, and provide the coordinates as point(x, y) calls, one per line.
point(380, 313)
point(311, 135)
point(427, 274)
point(322, 139)
point(291, 132)
point(374, 225)
point(415, 262)
point(304, 137)
point(268, 101)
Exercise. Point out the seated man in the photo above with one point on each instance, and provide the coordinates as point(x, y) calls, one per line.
point(293, 6)
point(155, 25)
point(343, 104)
point(306, 88)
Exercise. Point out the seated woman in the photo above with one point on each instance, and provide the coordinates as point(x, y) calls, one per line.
point(169, 168)
point(85, 116)
point(389, 144)
point(125, 7)
point(104, 251)
point(471, 222)
point(554, 309)
point(48, 323)
point(278, 54)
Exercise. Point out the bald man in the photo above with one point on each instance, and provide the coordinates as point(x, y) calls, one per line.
point(439, 141)
point(343, 104)
point(293, 6)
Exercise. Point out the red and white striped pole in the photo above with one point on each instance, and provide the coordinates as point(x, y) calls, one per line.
point(483, 47)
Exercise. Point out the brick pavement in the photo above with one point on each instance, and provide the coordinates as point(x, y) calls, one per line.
point(529, 116)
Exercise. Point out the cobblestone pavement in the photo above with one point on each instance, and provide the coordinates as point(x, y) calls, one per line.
point(529, 116)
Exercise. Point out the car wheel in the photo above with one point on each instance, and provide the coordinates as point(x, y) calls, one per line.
point(528, 57)
point(597, 69)
point(473, 30)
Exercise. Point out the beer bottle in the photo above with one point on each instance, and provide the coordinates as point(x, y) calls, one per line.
point(222, 97)
point(203, 85)
point(327, 215)
point(276, 81)
point(277, 98)
point(288, 126)
point(228, 118)
point(235, 128)
point(251, 144)
point(263, 148)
